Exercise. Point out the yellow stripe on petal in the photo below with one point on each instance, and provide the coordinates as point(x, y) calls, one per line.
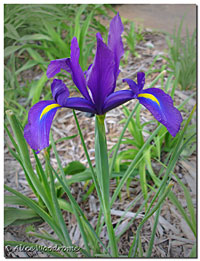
point(149, 96)
point(48, 108)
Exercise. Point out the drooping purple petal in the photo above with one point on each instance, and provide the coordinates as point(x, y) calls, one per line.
point(40, 118)
point(101, 76)
point(115, 43)
point(55, 67)
point(133, 85)
point(117, 98)
point(161, 106)
point(59, 91)
point(141, 80)
point(80, 104)
point(76, 70)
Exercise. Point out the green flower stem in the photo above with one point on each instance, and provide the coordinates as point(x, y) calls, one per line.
point(102, 169)
point(88, 157)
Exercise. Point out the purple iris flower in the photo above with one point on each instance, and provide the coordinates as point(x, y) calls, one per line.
point(97, 86)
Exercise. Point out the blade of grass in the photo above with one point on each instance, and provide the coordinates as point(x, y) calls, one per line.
point(153, 233)
point(143, 181)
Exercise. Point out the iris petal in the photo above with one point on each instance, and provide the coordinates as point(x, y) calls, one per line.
point(115, 43)
point(117, 98)
point(55, 67)
point(80, 104)
point(161, 106)
point(141, 80)
point(101, 74)
point(134, 87)
point(59, 91)
point(40, 118)
point(76, 70)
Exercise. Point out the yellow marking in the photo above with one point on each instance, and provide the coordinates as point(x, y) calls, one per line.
point(48, 108)
point(149, 96)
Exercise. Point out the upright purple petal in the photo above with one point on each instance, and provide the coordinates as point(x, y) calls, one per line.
point(133, 85)
point(161, 106)
point(80, 104)
point(117, 98)
point(101, 76)
point(141, 80)
point(59, 91)
point(75, 69)
point(55, 67)
point(40, 118)
point(115, 43)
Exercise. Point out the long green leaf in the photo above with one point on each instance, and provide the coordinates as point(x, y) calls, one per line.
point(60, 219)
point(153, 233)
point(11, 49)
point(102, 169)
point(12, 214)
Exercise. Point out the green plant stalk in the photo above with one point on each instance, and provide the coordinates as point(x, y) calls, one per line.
point(88, 157)
point(102, 168)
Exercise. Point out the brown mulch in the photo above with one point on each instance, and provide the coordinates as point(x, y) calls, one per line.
point(173, 236)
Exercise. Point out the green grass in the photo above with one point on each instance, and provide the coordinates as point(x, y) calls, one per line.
point(181, 58)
